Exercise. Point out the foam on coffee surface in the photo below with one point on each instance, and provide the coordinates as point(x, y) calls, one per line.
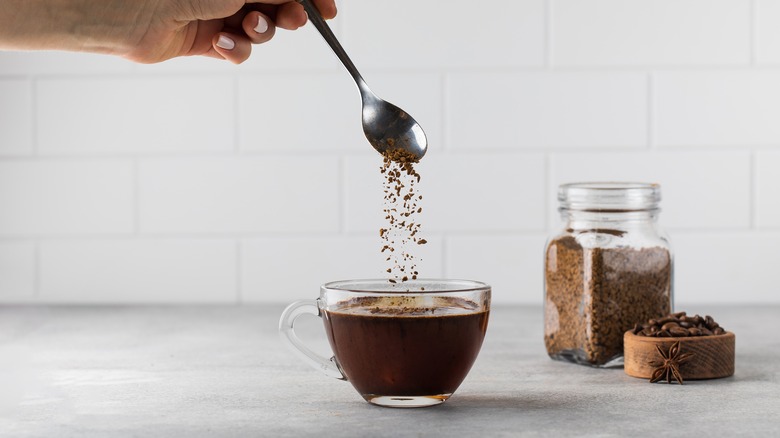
point(406, 306)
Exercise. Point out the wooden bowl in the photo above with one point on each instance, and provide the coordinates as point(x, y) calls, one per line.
point(713, 356)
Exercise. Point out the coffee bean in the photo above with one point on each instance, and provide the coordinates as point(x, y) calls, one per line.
point(679, 325)
point(678, 331)
point(669, 325)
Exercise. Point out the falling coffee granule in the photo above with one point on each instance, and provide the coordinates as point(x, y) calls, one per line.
point(401, 206)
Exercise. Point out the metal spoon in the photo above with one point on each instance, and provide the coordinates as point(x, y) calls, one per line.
point(385, 125)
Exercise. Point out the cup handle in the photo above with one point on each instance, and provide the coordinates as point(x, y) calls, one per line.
point(287, 333)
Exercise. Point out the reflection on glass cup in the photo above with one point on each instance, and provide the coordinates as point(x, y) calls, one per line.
point(404, 345)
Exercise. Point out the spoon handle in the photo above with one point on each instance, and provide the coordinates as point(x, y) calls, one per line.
point(316, 18)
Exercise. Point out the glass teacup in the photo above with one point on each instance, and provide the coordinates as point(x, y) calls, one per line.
point(400, 345)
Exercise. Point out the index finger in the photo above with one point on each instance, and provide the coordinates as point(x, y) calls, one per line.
point(327, 8)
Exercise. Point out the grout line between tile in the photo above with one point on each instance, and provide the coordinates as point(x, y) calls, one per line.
point(136, 197)
point(343, 195)
point(36, 270)
point(239, 274)
point(444, 256)
point(548, 191)
point(754, 191)
point(651, 107)
point(548, 35)
point(236, 115)
point(754, 31)
point(446, 114)
point(34, 115)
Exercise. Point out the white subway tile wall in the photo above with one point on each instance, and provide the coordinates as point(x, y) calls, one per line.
point(768, 41)
point(495, 258)
point(228, 195)
point(42, 197)
point(734, 108)
point(700, 189)
point(139, 271)
point(61, 63)
point(428, 34)
point(132, 114)
point(550, 109)
point(288, 268)
point(461, 192)
point(725, 267)
point(16, 129)
point(651, 32)
point(197, 181)
point(767, 195)
point(17, 272)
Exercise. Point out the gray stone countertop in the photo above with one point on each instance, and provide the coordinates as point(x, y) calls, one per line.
point(223, 371)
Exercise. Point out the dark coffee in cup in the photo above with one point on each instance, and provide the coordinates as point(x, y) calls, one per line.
point(402, 347)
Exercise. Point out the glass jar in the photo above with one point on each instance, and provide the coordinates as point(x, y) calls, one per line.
point(608, 270)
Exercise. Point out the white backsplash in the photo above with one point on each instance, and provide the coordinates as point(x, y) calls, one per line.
point(199, 181)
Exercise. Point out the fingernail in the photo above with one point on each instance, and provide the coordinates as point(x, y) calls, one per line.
point(225, 43)
point(262, 25)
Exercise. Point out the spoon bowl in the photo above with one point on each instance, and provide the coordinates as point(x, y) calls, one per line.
point(386, 126)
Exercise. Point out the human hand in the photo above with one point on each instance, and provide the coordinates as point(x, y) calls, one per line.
point(224, 29)
point(149, 31)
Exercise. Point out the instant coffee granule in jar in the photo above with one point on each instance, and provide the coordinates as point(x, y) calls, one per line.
point(610, 268)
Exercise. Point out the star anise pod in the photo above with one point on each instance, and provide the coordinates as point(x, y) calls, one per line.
point(670, 365)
